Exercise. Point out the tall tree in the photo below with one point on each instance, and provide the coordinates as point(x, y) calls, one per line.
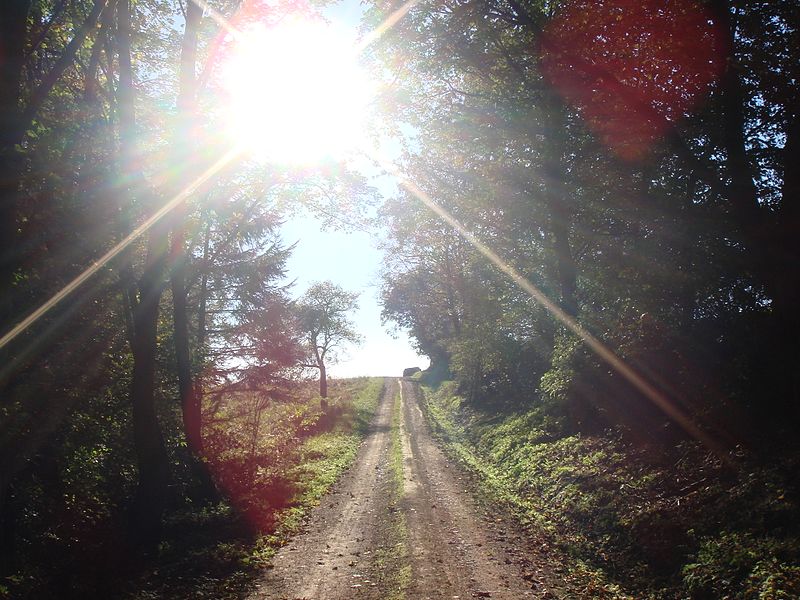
point(324, 321)
point(186, 166)
point(608, 151)
point(245, 334)
point(144, 300)
point(40, 151)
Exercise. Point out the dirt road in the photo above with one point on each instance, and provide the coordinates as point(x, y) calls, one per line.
point(401, 524)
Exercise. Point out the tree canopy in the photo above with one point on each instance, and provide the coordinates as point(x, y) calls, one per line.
point(632, 161)
point(141, 268)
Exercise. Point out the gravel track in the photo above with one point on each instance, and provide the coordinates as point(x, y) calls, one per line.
point(414, 534)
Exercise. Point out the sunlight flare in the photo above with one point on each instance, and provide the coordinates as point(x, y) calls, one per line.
point(295, 92)
point(333, 78)
point(659, 399)
point(117, 249)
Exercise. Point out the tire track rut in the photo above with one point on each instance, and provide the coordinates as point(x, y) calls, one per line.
point(401, 524)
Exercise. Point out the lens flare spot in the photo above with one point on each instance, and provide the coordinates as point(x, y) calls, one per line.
point(633, 68)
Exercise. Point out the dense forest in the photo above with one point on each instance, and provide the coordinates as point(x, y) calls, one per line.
point(167, 326)
point(633, 162)
point(597, 240)
point(594, 238)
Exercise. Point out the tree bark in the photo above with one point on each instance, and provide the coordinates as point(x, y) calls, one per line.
point(153, 463)
point(323, 381)
point(190, 395)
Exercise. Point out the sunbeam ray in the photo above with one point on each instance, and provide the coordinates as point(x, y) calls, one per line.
point(218, 18)
point(118, 248)
point(598, 347)
point(387, 24)
point(68, 289)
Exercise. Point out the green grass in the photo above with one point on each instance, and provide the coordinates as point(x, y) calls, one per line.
point(216, 552)
point(323, 459)
point(392, 560)
point(628, 526)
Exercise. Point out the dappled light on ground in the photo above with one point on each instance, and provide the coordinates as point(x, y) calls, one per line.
point(263, 450)
point(588, 225)
point(250, 442)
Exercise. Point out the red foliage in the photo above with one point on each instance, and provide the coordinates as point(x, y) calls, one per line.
point(633, 68)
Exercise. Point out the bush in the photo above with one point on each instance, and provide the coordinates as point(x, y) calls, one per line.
point(741, 565)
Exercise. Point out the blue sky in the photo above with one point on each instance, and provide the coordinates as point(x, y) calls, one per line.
point(353, 261)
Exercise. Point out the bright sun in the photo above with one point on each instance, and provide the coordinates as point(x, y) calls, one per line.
point(297, 94)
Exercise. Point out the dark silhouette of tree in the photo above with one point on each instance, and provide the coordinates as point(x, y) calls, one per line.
point(324, 321)
point(628, 158)
point(634, 160)
point(144, 299)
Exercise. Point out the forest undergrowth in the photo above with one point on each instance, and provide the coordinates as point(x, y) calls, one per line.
point(269, 477)
point(632, 521)
point(303, 450)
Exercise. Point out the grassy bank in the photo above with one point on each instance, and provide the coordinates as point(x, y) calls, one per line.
point(301, 450)
point(629, 524)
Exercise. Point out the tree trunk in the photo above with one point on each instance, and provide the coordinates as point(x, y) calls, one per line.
point(559, 204)
point(323, 381)
point(742, 192)
point(565, 262)
point(151, 494)
point(785, 275)
point(13, 30)
point(8, 523)
point(203, 300)
point(190, 391)
point(14, 121)
point(190, 404)
point(771, 240)
point(182, 155)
